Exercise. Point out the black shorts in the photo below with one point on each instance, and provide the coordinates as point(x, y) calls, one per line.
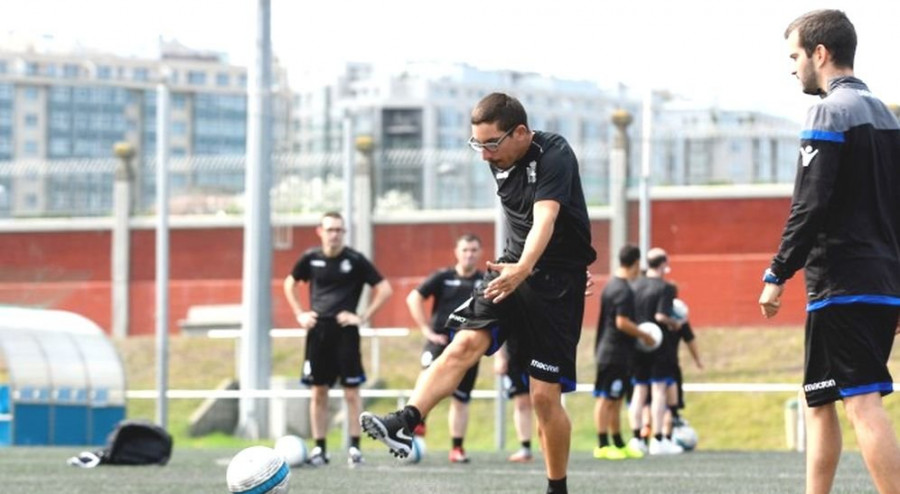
point(847, 349)
point(332, 351)
point(641, 368)
point(463, 391)
point(516, 381)
point(613, 381)
point(544, 314)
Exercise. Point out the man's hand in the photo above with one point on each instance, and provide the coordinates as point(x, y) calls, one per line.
point(307, 319)
point(511, 276)
point(347, 318)
point(770, 299)
point(647, 339)
point(589, 286)
point(436, 338)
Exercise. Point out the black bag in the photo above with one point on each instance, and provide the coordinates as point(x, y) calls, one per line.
point(136, 442)
point(132, 442)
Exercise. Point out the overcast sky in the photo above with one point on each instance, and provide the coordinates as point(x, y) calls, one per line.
point(724, 52)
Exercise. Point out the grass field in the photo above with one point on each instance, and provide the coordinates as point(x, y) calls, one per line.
point(198, 471)
point(724, 421)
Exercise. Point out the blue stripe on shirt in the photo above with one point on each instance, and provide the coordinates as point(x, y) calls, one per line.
point(853, 299)
point(822, 135)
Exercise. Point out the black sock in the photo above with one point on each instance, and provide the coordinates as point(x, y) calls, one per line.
point(658, 436)
point(674, 411)
point(557, 486)
point(412, 416)
point(636, 433)
point(669, 436)
point(457, 442)
point(617, 440)
point(603, 439)
point(354, 442)
point(526, 444)
point(320, 443)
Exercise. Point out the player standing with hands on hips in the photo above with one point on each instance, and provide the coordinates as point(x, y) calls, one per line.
point(336, 275)
point(844, 228)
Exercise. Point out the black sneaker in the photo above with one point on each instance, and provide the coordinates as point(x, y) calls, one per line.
point(390, 429)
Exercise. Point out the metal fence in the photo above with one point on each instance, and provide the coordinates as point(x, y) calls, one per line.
point(413, 179)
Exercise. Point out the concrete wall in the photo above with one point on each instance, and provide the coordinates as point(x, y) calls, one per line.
point(719, 248)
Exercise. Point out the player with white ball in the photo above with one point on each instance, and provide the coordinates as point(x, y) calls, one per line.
point(655, 370)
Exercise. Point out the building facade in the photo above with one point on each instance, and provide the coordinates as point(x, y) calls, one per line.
point(61, 112)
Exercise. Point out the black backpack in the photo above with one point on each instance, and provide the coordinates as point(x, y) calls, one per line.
point(132, 442)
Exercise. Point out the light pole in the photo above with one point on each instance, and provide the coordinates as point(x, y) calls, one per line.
point(124, 183)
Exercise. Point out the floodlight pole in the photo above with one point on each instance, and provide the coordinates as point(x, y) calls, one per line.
point(256, 347)
point(500, 400)
point(618, 175)
point(162, 249)
point(644, 188)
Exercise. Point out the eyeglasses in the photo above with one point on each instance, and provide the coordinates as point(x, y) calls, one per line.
point(334, 230)
point(492, 145)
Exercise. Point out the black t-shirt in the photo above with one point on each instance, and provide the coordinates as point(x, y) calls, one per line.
point(548, 171)
point(450, 290)
point(670, 345)
point(654, 296)
point(335, 282)
point(613, 345)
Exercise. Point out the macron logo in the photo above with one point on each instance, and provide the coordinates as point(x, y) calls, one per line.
point(545, 367)
point(807, 154)
point(819, 385)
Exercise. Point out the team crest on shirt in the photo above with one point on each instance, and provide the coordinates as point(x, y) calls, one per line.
point(532, 172)
point(807, 154)
point(346, 267)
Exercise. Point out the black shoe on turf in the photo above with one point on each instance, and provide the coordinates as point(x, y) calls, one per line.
point(389, 429)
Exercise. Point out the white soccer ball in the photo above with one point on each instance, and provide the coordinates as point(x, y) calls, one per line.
point(679, 310)
point(685, 436)
point(417, 452)
point(292, 449)
point(653, 330)
point(260, 470)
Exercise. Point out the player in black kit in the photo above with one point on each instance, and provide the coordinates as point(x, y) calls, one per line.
point(336, 275)
point(535, 291)
point(614, 346)
point(844, 230)
point(450, 288)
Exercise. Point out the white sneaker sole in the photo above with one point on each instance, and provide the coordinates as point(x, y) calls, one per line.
point(373, 427)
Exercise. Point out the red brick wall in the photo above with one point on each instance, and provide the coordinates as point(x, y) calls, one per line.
point(718, 248)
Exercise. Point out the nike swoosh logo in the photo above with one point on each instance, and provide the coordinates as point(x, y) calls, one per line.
point(402, 435)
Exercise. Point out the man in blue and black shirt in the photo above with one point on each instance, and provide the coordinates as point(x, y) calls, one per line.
point(844, 229)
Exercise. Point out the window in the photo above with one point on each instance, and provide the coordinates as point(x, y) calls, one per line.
point(59, 121)
point(31, 68)
point(141, 74)
point(31, 93)
point(178, 100)
point(31, 120)
point(104, 72)
point(179, 128)
point(70, 71)
point(30, 148)
point(223, 79)
point(50, 70)
point(196, 78)
point(59, 147)
point(2, 66)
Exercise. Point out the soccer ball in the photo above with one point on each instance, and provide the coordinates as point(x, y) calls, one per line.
point(679, 310)
point(293, 449)
point(653, 330)
point(260, 470)
point(685, 436)
point(417, 452)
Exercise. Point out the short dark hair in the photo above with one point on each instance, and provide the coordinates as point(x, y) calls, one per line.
point(629, 255)
point(829, 28)
point(468, 237)
point(500, 108)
